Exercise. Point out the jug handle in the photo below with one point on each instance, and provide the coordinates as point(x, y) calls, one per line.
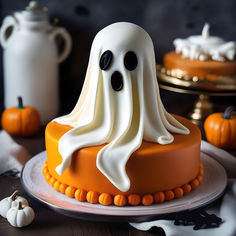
point(8, 22)
point(67, 39)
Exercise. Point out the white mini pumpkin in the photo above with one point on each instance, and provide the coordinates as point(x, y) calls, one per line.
point(20, 215)
point(8, 202)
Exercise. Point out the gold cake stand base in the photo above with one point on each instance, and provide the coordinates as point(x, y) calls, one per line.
point(177, 81)
point(201, 109)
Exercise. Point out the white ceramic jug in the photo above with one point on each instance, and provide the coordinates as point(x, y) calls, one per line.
point(31, 58)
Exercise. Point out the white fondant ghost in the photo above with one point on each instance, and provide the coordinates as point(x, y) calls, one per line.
point(123, 117)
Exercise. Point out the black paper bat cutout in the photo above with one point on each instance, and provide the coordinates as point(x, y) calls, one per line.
point(200, 219)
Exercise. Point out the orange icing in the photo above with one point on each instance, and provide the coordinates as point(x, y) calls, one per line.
point(206, 69)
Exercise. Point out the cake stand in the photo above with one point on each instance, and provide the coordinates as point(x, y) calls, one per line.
point(176, 81)
point(212, 187)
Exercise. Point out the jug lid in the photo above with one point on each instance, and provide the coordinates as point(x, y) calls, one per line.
point(34, 12)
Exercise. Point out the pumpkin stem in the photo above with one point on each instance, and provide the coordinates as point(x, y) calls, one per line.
point(20, 103)
point(13, 196)
point(19, 205)
point(227, 112)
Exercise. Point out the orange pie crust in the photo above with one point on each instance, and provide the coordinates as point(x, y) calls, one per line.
point(203, 69)
point(157, 172)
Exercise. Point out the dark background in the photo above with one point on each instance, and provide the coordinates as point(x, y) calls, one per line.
point(164, 20)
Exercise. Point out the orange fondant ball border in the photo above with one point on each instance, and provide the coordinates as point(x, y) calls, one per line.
point(107, 199)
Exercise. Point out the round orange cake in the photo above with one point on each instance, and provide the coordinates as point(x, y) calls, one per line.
point(157, 172)
point(204, 69)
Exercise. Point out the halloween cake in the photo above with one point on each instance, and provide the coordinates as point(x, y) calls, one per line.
point(119, 145)
point(203, 56)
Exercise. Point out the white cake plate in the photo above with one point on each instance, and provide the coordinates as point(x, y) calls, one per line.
point(212, 187)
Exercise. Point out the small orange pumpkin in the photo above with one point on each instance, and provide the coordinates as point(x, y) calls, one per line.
point(147, 200)
point(179, 192)
point(134, 199)
point(159, 197)
point(120, 200)
point(20, 120)
point(169, 195)
point(220, 129)
point(187, 188)
point(80, 195)
point(194, 184)
point(92, 197)
point(70, 191)
point(105, 199)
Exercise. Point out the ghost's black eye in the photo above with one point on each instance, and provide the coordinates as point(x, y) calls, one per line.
point(130, 60)
point(105, 60)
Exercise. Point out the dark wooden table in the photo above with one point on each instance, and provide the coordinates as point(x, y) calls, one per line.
point(48, 222)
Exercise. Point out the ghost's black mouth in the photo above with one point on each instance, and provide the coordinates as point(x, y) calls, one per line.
point(117, 81)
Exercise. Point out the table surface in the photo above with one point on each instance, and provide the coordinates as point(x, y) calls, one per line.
point(48, 222)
